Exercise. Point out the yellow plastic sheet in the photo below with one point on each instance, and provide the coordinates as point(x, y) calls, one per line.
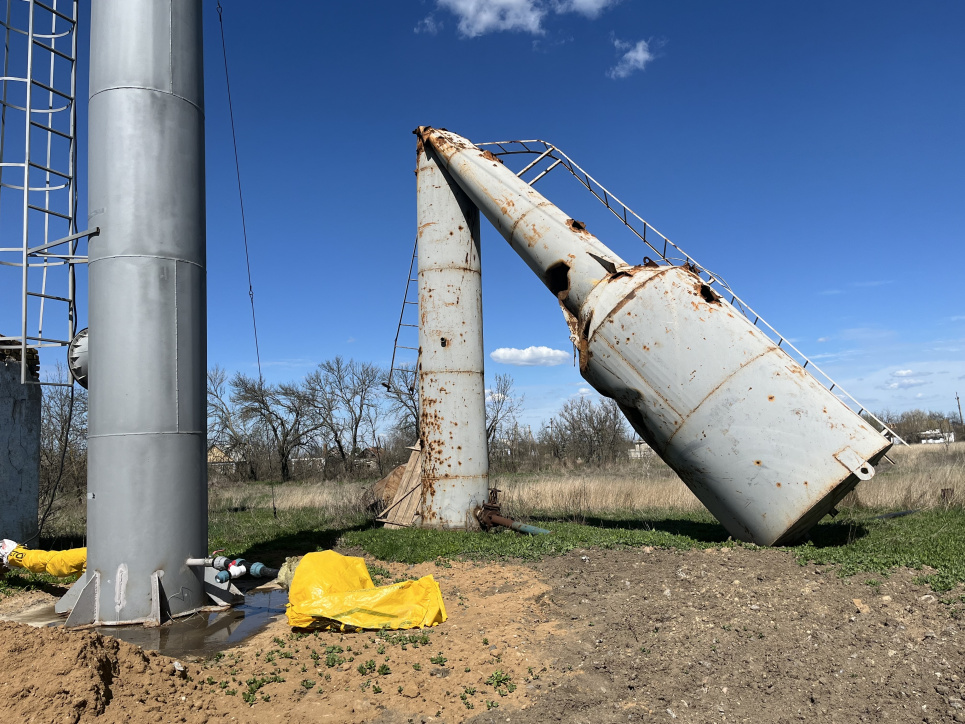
point(56, 563)
point(332, 591)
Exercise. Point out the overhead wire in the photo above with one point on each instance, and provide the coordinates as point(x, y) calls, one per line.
point(241, 200)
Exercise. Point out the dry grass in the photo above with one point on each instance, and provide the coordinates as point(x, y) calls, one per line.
point(917, 481)
point(641, 485)
point(334, 498)
point(922, 472)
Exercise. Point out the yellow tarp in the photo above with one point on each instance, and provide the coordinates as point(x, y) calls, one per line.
point(335, 592)
point(56, 563)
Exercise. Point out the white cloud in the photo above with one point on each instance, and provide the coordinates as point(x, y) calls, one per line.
point(429, 25)
point(902, 373)
point(823, 339)
point(478, 17)
point(903, 384)
point(584, 391)
point(530, 357)
point(635, 57)
point(590, 8)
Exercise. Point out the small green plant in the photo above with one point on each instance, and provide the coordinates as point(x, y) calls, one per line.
point(501, 682)
point(417, 666)
point(485, 642)
point(384, 670)
point(307, 684)
point(333, 659)
point(491, 704)
point(440, 659)
point(376, 689)
point(367, 668)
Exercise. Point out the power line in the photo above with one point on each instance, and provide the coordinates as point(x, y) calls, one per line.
point(241, 201)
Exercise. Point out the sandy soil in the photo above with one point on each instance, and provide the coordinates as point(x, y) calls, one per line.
point(595, 636)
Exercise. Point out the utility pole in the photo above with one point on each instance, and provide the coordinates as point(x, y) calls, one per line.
point(960, 420)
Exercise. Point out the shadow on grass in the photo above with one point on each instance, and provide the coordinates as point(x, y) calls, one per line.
point(702, 531)
point(833, 534)
point(274, 551)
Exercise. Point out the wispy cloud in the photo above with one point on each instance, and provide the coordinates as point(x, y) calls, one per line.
point(824, 339)
point(872, 283)
point(429, 25)
point(902, 373)
point(589, 8)
point(479, 17)
point(636, 56)
point(903, 384)
point(530, 357)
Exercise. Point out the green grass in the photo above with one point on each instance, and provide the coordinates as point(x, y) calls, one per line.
point(417, 545)
point(857, 542)
point(933, 538)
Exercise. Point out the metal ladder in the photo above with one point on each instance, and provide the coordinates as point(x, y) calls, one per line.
point(410, 307)
point(38, 162)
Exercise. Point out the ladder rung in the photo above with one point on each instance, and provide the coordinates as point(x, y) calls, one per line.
point(416, 303)
point(54, 50)
point(415, 326)
point(48, 211)
point(52, 90)
point(49, 296)
point(42, 127)
point(45, 339)
point(41, 167)
point(399, 346)
point(55, 12)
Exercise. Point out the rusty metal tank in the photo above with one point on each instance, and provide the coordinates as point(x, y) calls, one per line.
point(764, 446)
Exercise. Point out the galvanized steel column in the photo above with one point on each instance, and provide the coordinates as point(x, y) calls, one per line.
point(760, 442)
point(452, 394)
point(147, 492)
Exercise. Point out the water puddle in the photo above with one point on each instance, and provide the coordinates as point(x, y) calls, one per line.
point(201, 634)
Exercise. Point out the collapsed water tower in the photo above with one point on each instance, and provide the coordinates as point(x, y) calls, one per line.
point(765, 446)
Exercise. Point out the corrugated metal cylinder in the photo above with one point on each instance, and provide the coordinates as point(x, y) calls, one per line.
point(147, 502)
point(760, 442)
point(452, 394)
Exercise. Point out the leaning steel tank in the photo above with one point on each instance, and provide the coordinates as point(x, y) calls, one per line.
point(763, 445)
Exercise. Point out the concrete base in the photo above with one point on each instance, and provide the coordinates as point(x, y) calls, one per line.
point(19, 454)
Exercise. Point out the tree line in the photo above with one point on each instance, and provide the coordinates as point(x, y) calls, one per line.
point(347, 420)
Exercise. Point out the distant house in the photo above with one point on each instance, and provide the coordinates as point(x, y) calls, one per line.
point(640, 450)
point(934, 437)
point(219, 458)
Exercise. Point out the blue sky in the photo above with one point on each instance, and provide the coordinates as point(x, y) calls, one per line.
point(811, 153)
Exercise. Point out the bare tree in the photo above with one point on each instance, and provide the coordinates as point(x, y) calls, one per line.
point(344, 395)
point(402, 393)
point(227, 427)
point(501, 406)
point(285, 412)
point(63, 441)
point(596, 432)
